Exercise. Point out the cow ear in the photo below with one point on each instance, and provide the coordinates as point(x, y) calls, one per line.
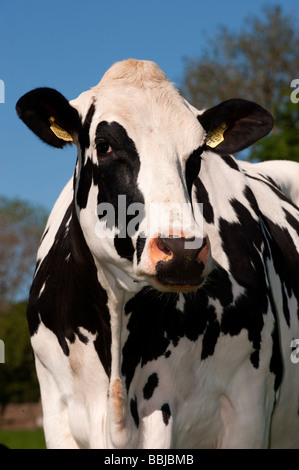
point(235, 124)
point(50, 116)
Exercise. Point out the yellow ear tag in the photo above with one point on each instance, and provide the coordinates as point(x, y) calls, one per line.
point(58, 131)
point(215, 136)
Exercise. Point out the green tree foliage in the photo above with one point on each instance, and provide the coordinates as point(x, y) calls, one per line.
point(257, 63)
point(21, 228)
point(18, 380)
point(283, 142)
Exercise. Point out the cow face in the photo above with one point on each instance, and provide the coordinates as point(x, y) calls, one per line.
point(139, 152)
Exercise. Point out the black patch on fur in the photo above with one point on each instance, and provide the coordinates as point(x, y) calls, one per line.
point(117, 175)
point(72, 296)
point(140, 246)
point(244, 252)
point(134, 411)
point(202, 196)
point(274, 187)
point(251, 199)
point(87, 176)
point(192, 168)
point(276, 363)
point(44, 234)
point(151, 384)
point(293, 221)
point(124, 247)
point(166, 414)
point(88, 170)
point(84, 138)
point(285, 259)
point(230, 161)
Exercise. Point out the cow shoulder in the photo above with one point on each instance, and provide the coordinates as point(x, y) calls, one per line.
point(65, 294)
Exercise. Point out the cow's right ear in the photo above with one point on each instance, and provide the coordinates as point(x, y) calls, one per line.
point(50, 116)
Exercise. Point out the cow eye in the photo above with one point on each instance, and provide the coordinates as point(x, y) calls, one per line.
point(103, 147)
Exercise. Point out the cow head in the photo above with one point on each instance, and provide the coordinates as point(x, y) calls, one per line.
point(139, 152)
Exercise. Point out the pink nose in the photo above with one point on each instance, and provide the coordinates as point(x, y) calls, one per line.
point(179, 261)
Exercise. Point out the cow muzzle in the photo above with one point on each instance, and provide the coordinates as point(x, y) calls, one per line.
point(181, 264)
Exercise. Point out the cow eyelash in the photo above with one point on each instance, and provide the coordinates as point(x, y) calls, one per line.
point(103, 147)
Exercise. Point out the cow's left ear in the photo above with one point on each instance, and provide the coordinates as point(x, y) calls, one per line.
point(235, 124)
point(50, 116)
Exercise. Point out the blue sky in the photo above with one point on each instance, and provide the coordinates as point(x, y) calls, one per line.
point(68, 45)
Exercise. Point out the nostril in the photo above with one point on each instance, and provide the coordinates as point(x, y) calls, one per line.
point(162, 247)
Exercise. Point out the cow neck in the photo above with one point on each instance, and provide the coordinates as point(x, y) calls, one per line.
point(98, 299)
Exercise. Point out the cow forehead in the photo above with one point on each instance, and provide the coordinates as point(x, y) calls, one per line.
point(151, 119)
point(138, 96)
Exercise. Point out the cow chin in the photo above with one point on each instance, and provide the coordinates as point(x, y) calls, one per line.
point(167, 276)
point(184, 288)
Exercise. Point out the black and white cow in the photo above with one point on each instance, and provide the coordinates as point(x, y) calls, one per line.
point(166, 291)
